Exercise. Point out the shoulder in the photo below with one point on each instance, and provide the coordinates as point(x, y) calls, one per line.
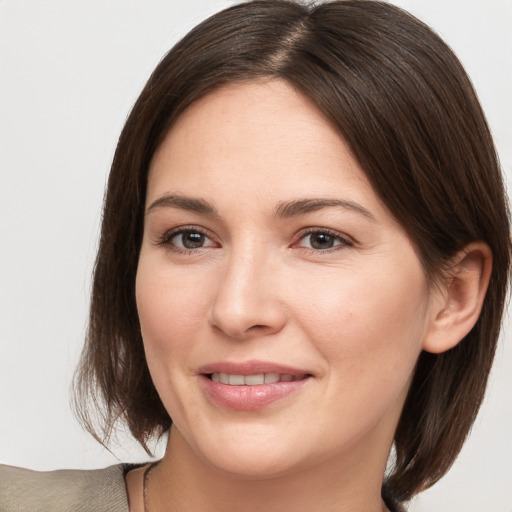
point(24, 490)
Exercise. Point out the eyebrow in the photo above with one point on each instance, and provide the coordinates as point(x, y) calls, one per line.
point(302, 206)
point(284, 209)
point(184, 203)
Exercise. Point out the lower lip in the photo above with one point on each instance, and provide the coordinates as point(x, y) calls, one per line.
point(249, 398)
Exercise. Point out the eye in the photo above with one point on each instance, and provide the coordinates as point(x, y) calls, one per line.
point(189, 240)
point(322, 240)
point(186, 239)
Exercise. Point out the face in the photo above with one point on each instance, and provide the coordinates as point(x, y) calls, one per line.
point(282, 306)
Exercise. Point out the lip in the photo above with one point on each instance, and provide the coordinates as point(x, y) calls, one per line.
point(250, 368)
point(249, 398)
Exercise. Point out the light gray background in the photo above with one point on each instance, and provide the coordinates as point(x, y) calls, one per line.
point(70, 71)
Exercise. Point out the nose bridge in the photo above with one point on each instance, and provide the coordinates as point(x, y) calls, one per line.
point(247, 302)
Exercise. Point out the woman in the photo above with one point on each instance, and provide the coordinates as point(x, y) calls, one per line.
point(304, 219)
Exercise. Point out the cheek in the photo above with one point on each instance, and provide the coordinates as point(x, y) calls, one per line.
point(368, 325)
point(170, 305)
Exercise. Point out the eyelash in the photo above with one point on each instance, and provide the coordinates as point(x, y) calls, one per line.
point(166, 238)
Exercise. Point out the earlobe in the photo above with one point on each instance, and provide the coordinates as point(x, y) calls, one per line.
point(457, 303)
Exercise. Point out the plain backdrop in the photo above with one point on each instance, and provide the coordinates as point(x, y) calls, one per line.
point(70, 72)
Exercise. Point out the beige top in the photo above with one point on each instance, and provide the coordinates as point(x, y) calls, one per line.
point(97, 490)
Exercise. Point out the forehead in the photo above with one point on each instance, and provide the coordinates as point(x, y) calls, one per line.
point(263, 138)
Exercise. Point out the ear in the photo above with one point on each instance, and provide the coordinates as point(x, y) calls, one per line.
point(458, 299)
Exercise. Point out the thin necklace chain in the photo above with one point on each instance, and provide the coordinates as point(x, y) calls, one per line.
point(145, 484)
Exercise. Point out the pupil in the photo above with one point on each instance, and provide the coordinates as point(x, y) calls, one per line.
point(321, 241)
point(192, 240)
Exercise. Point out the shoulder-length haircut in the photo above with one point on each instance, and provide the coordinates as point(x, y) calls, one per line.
point(404, 104)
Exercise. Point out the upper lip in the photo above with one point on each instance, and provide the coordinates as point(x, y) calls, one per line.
point(250, 368)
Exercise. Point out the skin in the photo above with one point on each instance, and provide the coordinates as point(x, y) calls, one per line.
point(354, 316)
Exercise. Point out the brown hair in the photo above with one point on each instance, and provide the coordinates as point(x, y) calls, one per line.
point(406, 107)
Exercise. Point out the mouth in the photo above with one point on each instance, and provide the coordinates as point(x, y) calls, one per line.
point(254, 380)
point(252, 385)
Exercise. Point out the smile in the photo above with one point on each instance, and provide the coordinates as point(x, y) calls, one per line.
point(252, 385)
point(254, 380)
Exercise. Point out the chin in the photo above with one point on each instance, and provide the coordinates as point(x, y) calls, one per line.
point(249, 454)
point(253, 466)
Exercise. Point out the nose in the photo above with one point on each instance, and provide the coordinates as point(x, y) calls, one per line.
point(247, 303)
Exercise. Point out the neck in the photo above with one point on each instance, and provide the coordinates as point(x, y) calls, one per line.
point(182, 481)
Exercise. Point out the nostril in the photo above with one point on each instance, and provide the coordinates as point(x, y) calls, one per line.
point(258, 327)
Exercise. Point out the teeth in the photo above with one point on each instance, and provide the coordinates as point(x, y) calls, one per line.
point(253, 380)
point(236, 380)
point(270, 378)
